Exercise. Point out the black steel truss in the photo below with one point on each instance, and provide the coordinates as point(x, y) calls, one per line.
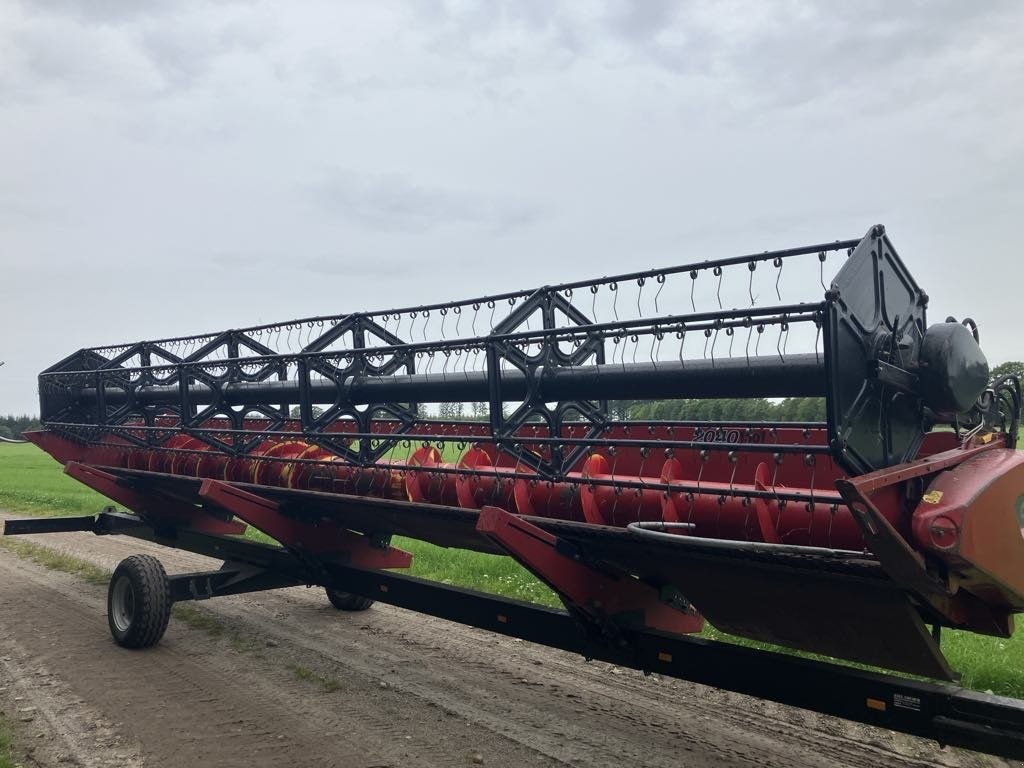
point(542, 352)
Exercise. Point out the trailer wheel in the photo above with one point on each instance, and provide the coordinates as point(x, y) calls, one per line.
point(346, 601)
point(138, 602)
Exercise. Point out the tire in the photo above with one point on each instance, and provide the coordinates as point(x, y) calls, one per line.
point(346, 601)
point(138, 602)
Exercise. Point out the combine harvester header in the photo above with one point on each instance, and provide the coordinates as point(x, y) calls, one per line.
point(859, 537)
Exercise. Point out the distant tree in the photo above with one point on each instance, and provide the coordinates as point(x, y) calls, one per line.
point(296, 412)
point(727, 409)
point(1011, 368)
point(811, 409)
point(17, 425)
point(620, 409)
point(755, 409)
point(641, 412)
point(730, 409)
point(450, 411)
point(444, 411)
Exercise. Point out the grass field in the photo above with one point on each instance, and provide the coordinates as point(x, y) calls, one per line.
point(5, 743)
point(31, 482)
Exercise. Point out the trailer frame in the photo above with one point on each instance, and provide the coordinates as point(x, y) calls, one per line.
point(942, 712)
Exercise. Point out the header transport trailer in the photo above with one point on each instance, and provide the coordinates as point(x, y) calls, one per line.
point(858, 537)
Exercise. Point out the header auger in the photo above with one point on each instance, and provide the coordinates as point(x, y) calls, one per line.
point(850, 537)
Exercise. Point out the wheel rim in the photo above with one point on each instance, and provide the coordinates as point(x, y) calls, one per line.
point(122, 604)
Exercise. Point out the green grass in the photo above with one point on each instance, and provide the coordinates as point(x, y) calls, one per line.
point(987, 663)
point(6, 759)
point(33, 483)
point(476, 570)
point(198, 618)
point(57, 561)
point(327, 684)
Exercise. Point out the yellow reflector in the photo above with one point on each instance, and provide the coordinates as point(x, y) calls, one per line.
point(876, 704)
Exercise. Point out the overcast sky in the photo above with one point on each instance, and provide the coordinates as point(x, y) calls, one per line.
point(172, 167)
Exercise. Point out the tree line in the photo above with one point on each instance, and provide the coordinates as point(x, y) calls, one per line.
point(731, 409)
point(1012, 368)
point(12, 426)
point(724, 409)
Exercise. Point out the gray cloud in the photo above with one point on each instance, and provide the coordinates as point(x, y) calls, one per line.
point(170, 162)
point(302, 267)
point(15, 213)
point(797, 53)
point(113, 49)
point(640, 21)
point(102, 11)
point(395, 203)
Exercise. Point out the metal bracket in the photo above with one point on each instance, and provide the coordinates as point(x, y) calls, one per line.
point(151, 507)
point(605, 600)
point(305, 539)
point(902, 563)
point(893, 376)
point(233, 578)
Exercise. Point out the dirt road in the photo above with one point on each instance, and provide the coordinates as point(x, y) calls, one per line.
point(282, 679)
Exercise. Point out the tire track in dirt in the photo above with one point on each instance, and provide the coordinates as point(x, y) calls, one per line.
point(545, 705)
point(611, 708)
point(195, 701)
point(56, 726)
